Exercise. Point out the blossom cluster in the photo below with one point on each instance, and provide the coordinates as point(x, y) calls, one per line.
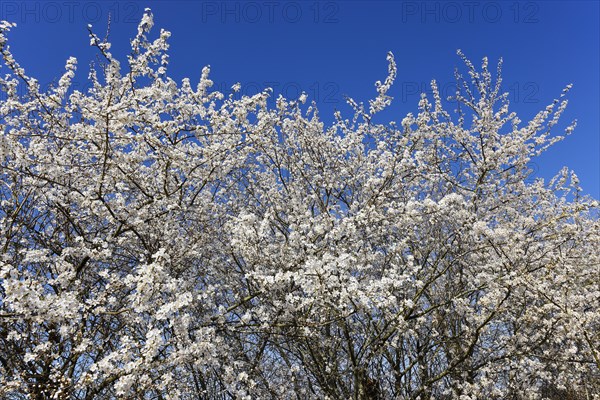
point(164, 240)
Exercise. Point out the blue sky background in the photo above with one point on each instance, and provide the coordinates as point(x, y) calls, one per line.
point(334, 48)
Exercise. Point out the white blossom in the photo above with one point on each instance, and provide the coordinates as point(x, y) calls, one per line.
point(163, 240)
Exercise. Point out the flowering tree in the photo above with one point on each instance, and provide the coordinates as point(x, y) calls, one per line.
point(165, 241)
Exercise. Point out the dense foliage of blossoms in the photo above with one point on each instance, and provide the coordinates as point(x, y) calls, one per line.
point(165, 241)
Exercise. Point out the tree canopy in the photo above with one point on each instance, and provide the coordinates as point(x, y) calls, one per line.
point(161, 240)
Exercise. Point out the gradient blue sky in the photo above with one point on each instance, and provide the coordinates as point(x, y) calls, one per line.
point(334, 48)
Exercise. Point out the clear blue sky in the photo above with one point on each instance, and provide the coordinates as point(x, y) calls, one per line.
point(330, 49)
